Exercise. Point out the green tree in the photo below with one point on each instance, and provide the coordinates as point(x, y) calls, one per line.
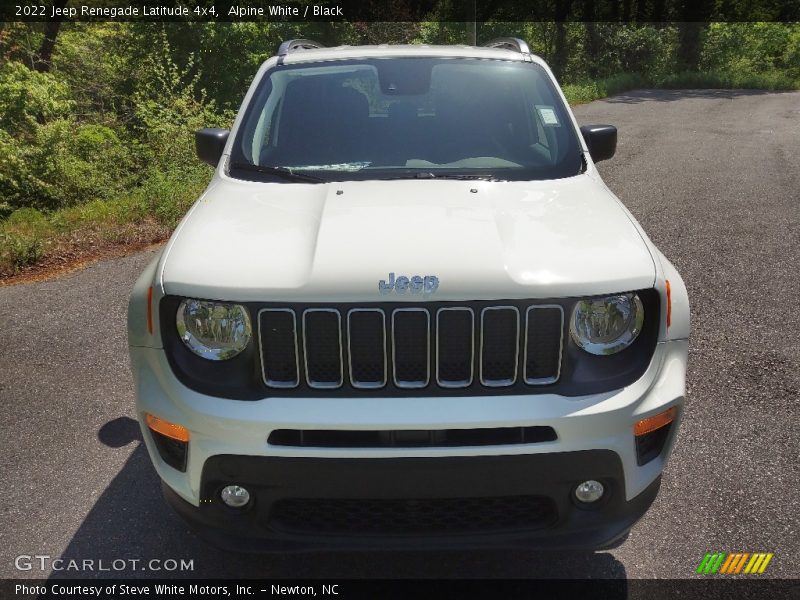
point(29, 98)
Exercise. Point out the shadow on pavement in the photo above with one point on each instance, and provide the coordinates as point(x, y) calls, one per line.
point(130, 520)
point(119, 432)
point(638, 96)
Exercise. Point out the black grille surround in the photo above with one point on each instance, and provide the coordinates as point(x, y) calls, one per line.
point(545, 360)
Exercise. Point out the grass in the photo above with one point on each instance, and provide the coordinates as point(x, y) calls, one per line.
point(580, 93)
point(30, 239)
point(775, 81)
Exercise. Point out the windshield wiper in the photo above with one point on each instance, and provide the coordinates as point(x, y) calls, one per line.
point(282, 172)
point(431, 175)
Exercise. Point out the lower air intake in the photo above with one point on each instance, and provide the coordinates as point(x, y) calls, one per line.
point(411, 517)
point(411, 438)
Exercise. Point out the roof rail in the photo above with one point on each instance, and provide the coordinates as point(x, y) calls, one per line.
point(292, 45)
point(509, 44)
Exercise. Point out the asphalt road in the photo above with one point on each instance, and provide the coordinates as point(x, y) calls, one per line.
point(713, 176)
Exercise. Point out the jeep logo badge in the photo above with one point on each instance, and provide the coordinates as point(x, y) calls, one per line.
point(416, 284)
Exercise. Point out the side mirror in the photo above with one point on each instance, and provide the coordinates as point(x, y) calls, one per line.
point(601, 140)
point(209, 143)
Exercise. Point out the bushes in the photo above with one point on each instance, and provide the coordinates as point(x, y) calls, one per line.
point(65, 163)
point(79, 162)
point(170, 108)
point(727, 80)
point(646, 51)
point(18, 251)
point(101, 148)
point(754, 52)
point(166, 196)
point(579, 93)
point(18, 185)
point(48, 159)
point(146, 214)
point(75, 176)
point(29, 98)
point(22, 239)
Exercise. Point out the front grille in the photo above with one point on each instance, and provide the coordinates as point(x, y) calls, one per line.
point(322, 347)
point(341, 516)
point(455, 352)
point(499, 355)
point(279, 356)
point(544, 324)
point(366, 347)
point(411, 347)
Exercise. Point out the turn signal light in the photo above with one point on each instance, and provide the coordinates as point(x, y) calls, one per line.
point(171, 430)
point(669, 305)
point(660, 420)
point(150, 310)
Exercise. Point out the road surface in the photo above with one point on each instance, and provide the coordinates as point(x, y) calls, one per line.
point(713, 176)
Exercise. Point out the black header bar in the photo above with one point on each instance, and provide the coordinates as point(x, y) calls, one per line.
point(710, 588)
point(481, 11)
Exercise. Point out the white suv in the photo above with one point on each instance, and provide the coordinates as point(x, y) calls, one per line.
point(407, 312)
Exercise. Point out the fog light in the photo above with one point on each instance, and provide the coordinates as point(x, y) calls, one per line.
point(235, 496)
point(589, 491)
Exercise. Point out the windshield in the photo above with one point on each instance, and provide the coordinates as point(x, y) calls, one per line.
point(406, 118)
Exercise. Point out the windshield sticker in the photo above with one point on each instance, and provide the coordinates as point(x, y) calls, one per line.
point(548, 116)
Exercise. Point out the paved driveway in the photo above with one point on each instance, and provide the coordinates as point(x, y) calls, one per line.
point(713, 178)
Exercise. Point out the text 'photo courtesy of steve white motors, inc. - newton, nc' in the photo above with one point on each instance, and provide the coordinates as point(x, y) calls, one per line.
point(115, 590)
point(82, 11)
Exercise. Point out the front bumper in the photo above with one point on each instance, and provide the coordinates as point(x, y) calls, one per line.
point(523, 501)
point(594, 439)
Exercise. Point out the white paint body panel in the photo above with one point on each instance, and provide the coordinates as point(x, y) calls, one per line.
point(250, 241)
point(334, 242)
point(598, 421)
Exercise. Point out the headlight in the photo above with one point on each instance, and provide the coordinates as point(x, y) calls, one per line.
point(213, 330)
point(607, 325)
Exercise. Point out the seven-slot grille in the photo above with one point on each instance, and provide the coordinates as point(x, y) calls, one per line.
point(410, 348)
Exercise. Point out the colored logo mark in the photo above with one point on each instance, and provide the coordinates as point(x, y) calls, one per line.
point(734, 563)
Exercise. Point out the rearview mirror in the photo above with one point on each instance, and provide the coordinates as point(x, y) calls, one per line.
point(601, 141)
point(209, 143)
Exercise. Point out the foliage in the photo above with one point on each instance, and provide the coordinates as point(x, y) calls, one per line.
point(78, 162)
point(19, 42)
point(18, 186)
point(752, 48)
point(170, 106)
point(729, 80)
point(28, 98)
point(643, 50)
point(579, 93)
point(98, 147)
point(96, 61)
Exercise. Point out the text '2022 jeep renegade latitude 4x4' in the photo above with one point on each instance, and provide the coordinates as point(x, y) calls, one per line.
point(407, 312)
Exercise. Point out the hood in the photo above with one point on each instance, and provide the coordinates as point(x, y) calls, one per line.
point(335, 242)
